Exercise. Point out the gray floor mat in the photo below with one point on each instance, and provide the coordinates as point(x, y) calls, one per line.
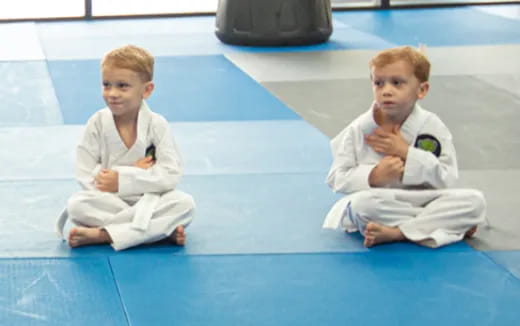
point(482, 119)
point(346, 64)
point(502, 191)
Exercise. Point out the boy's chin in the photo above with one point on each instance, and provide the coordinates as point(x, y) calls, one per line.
point(395, 108)
point(116, 111)
point(390, 109)
point(395, 113)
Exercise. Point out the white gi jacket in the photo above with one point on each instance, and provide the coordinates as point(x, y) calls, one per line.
point(101, 147)
point(353, 159)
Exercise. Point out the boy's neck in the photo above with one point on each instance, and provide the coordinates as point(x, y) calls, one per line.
point(388, 122)
point(127, 120)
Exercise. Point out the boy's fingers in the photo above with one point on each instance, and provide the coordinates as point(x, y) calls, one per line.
point(381, 132)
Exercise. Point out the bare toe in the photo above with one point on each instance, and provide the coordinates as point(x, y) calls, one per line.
point(369, 235)
point(178, 237)
point(377, 234)
point(369, 241)
point(471, 232)
point(82, 236)
point(73, 234)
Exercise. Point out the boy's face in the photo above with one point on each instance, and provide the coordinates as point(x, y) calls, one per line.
point(123, 90)
point(396, 89)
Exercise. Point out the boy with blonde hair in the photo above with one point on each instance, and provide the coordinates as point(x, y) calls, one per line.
point(396, 162)
point(127, 164)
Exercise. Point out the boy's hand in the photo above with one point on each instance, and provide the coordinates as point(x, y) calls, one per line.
point(389, 171)
point(145, 163)
point(388, 143)
point(107, 180)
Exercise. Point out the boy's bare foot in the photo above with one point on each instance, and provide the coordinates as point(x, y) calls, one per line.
point(178, 237)
point(376, 234)
point(470, 232)
point(82, 236)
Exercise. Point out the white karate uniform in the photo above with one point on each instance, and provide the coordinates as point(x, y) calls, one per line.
point(421, 205)
point(147, 207)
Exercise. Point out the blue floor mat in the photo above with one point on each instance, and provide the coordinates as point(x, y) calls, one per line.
point(81, 40)
point(27, 97)
point(466, 26)
point(350, 38)
point(123, 27)
point(59, 292)
point(39, 153)
point(94, 47)
point(246, 213)
point(163, 37)
point(327, 289)
point(236, 214)
point(508, 259)
point(268, 213)
point(263, 213)
point(351, 30)
point(197, 88)
point(171, 37)
point(258, 147)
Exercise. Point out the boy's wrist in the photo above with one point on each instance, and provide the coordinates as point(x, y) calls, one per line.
point(373, 178)
point(403, 152)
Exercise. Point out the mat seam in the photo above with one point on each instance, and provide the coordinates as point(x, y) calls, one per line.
point(123, 306)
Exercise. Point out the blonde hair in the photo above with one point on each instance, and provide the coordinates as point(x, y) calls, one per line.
point(133, 58)
point(415, 57)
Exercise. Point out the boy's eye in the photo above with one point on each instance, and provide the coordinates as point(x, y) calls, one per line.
point(106, 84)
point(378, 83)
point(397, 82)
point(122, 85)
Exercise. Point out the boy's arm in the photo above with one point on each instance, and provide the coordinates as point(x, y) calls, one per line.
point(346, 174)
point(163, 176)
point(435, 164)
point(88, 157)
point(388, 172)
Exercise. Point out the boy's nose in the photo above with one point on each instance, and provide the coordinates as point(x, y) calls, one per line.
point(387, 90)
point(112, 92)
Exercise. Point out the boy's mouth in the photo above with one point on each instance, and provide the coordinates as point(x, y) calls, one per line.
point(388, 103)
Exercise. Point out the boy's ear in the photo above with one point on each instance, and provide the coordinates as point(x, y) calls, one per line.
point(424, 87)
point(148, 89)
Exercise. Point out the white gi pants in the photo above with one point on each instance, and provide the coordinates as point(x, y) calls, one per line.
point(432, 218)
point(115, 215)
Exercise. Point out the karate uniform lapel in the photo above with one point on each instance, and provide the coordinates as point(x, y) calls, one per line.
point(119, 153)
point(413, 124)
point(143, 125)
point(114, 146)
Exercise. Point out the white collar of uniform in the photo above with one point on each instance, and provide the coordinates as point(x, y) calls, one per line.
point(112, 135)
point(413, 123)
point(143, 123)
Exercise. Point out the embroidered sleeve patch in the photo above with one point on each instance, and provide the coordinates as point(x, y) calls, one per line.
point(428, 143)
